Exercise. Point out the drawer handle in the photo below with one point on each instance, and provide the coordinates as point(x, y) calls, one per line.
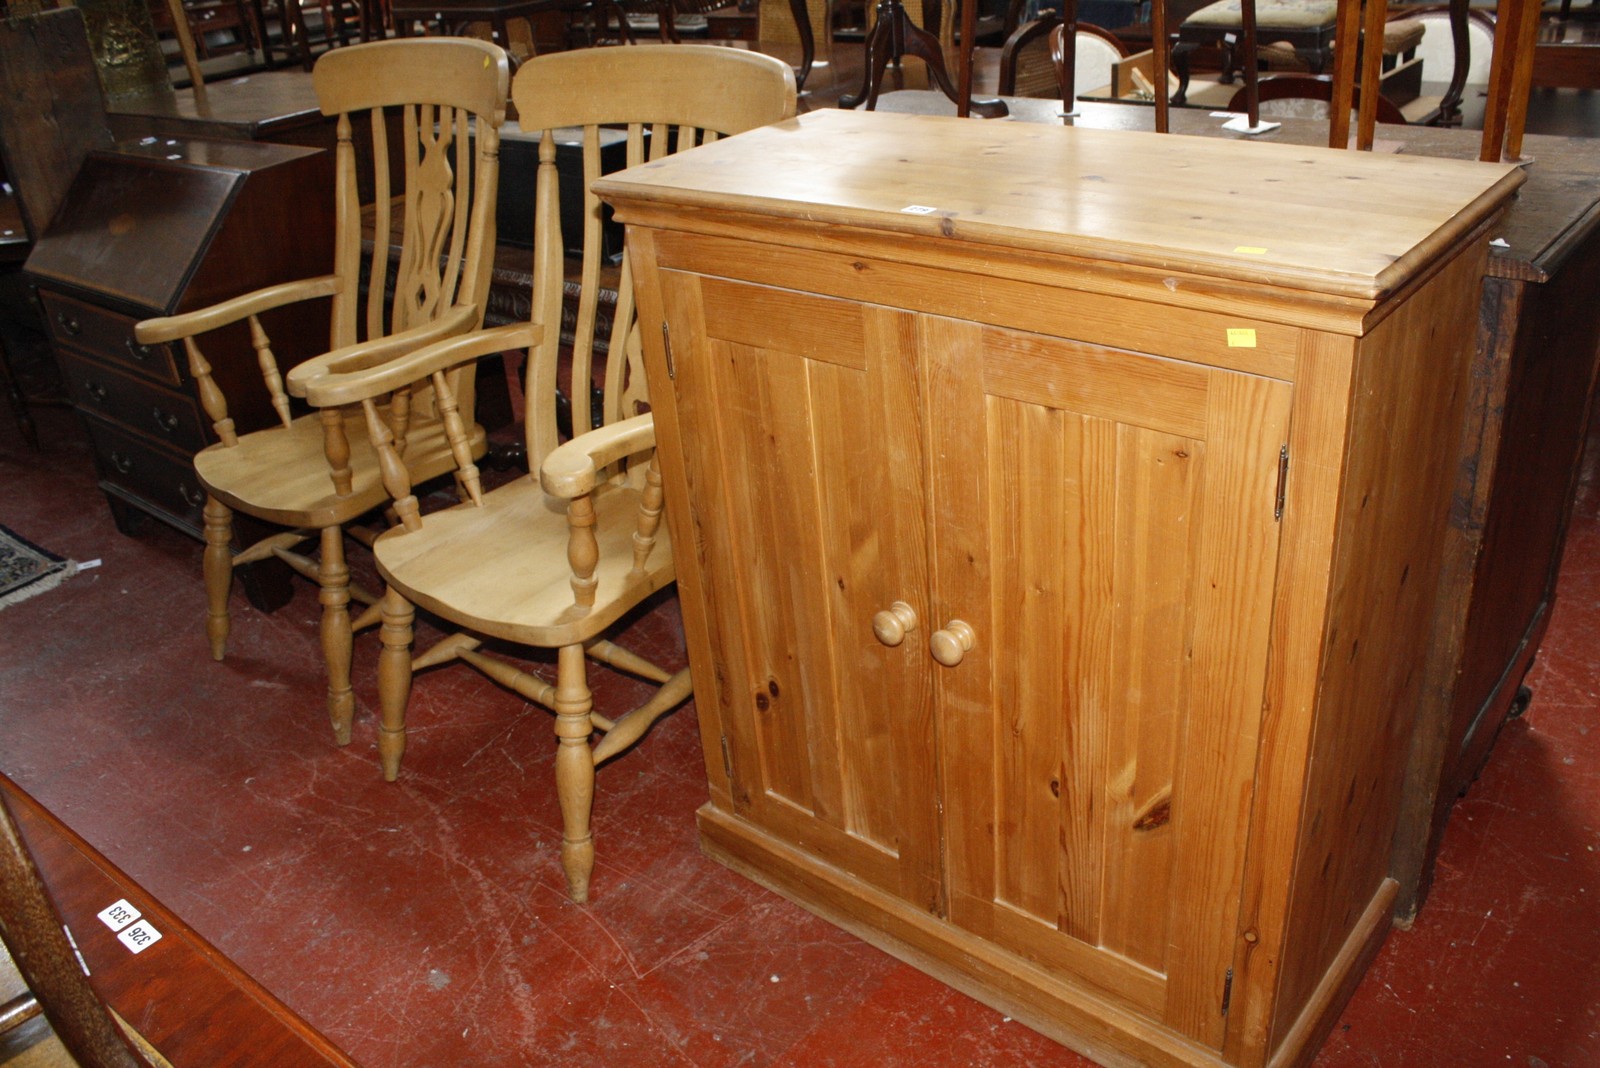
point(122, 463)
point(893, 624)
point(193, 496)
point(166, 421)
point(139, 352)
point(69, 324)
point(950, 644)
point(95, 390)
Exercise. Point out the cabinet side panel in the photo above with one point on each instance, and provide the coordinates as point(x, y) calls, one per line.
point(1316, 448)
point(686, 438)
point(1410, 387)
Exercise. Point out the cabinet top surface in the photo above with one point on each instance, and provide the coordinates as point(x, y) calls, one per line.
point(1317, 219)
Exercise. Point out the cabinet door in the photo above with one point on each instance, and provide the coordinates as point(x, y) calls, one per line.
point(1104, 523)
point(803, 456)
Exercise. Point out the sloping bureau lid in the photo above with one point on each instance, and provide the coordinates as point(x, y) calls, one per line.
point(1353, 224)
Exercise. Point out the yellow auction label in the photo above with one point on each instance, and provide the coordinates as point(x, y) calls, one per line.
point(1241, 337)
point(1249, 250)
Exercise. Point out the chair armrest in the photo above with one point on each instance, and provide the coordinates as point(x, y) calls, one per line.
point(1019, 39)
point(571, 469)
point(174, 327)
point(346, 376)
point(353, 361)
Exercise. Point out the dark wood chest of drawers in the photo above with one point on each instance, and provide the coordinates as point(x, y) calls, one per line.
point(162, 226)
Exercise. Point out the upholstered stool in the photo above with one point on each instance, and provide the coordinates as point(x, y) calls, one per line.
point(1307, 26)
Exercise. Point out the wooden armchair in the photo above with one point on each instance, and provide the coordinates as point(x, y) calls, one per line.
point(314, 473)
point(552, 560)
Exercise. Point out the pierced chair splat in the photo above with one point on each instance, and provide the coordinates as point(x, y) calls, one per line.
point(555, 558)
point(314, 473)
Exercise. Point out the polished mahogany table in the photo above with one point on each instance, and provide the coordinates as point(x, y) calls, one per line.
point(191, 1003)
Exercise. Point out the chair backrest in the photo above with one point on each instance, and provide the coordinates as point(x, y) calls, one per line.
point(1308, 97)
point(1095, 52)
point(1031, 59)
point(445, 98)
point(1438, 49)
point(668, 98)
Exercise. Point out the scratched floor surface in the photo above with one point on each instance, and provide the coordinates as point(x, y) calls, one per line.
point(423, 923)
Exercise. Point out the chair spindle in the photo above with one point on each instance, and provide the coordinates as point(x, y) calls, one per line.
point(396, 476)
point(583, 551)
point(269, 370)
point(336, 447)
point(650, 506)
point(211, 398)
point(456, 432)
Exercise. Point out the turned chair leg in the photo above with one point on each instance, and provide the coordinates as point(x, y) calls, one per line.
point(574, 769)
point(336, 636)
point(217, 564)
point(394, 680)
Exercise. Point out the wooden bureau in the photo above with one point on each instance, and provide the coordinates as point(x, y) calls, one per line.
point(1065, 513)
point(161, 226)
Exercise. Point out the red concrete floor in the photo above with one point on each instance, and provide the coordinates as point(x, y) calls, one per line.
point(424, 922)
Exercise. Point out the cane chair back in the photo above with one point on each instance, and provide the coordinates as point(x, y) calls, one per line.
point(555, 558)
point(1031, 61)
point(417, 164)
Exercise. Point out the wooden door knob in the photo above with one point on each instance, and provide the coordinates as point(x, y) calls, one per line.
point(893, 624)
point(949, 645)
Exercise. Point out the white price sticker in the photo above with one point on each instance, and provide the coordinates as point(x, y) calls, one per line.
point(917, 209)
point(140, 937)
point(119, 915)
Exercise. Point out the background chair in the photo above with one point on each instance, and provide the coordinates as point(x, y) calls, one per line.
point(554, 560)
point(1439, 59)
point(1031, 59)
point(315, 473)
point(1306, 97)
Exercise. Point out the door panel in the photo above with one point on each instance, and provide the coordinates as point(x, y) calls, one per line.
point(812, 465)
point(1108, 533)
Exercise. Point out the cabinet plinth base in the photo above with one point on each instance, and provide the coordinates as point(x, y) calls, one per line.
point(1076, 1016)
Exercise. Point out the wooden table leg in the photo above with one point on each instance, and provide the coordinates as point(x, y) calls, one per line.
point(894, 35)
point(1371, 73)
point(1160, 61)
point(1252, 76)
point(1346, 43)
point(808, 42)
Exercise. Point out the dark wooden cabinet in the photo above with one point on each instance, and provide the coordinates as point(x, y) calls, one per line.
point(157, 227)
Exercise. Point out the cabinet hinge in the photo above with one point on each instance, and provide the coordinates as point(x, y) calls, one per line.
point(727, 758)
point(1227, 991)
point(1283, 482)
point(666, 344)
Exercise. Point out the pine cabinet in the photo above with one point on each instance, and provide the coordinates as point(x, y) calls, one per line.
point(1058, 535)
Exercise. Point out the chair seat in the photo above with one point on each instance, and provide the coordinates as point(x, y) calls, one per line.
point(1299, 15)
point(1402, 36)
point(281, 474)
point(516, 583)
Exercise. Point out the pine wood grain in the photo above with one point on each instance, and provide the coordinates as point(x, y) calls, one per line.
point(1351, 224)
point(1146, 696)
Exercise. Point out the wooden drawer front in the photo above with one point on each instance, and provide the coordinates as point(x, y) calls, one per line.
point(161, 414)
point(108, 335)
point(129, 462)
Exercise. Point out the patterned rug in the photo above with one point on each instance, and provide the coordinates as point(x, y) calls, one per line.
point(27, 570)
